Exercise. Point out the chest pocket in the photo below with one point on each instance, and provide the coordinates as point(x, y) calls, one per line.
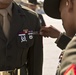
point(25, 40)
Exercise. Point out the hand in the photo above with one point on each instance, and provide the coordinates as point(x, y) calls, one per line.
point(49, 32)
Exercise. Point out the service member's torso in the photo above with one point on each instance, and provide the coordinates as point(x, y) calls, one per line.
point(13, 52)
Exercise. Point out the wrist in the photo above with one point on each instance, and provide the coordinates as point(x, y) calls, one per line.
point(62, 40)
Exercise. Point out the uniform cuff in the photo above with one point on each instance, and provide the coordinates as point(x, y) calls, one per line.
point(62, 40)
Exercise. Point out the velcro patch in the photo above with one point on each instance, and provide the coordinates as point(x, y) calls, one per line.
point(71, 70)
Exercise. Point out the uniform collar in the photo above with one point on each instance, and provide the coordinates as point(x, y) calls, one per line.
point(8, 9)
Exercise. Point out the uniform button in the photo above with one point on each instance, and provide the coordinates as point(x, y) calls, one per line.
point(9, 58)
point(9, 46)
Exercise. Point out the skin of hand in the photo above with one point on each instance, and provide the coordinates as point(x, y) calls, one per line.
point(49, 32)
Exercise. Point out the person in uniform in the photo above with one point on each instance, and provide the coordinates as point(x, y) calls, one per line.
point(52, 32)
point(20, 42)
point(31, 5)
point(65, 10)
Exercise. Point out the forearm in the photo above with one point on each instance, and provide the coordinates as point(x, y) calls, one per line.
point(68, 59)
point(62, 41)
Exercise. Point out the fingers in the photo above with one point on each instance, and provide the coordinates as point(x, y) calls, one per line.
point(45, 31)
point(49, 32)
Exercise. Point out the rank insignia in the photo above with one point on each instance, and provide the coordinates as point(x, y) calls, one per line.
point(71, 70)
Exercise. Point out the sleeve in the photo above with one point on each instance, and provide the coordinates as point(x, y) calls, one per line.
point(68, 63)
point(35, 54)
point(42, 20)
point(62, 41)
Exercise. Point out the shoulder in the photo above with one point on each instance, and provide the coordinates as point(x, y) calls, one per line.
point(29, 11)
point(25, 10)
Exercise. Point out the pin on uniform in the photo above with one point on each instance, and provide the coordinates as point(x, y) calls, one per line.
point(28, 33)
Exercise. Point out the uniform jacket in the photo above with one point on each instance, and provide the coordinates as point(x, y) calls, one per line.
point(68, 62)
point(14, 51)
point(62, 41)
point(41, 20)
